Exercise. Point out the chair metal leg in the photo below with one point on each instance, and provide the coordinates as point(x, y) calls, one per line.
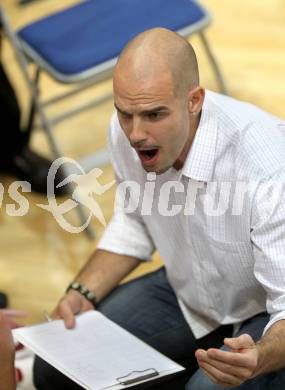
point(32, 112)
point(58, 154)
point(218, 73)
point(37, 106)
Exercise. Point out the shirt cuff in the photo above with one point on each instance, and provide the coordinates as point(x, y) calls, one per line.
point(273, 319)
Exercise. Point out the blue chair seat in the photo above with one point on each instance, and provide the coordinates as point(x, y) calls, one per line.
point(93, 32)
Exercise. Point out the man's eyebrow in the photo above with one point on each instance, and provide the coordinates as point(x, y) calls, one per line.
point(121, 111)
point(154, 110)
point(144, 112)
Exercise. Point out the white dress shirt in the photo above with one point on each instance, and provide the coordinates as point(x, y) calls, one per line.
point(225, 258)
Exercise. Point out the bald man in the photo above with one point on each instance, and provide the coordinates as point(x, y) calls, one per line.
point(197, 171)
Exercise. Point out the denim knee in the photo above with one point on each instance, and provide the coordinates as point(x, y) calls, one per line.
point(200, 381)
point(273, 381)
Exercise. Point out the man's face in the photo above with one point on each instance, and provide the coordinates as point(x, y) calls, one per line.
point(155, 119)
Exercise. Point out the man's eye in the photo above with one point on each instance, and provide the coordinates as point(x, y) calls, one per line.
point(154, 115)
point(125, 115)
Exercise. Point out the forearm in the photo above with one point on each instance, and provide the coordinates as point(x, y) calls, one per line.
point(104, 271)
point(271, 349)
point(7, 355)
point(7, 376)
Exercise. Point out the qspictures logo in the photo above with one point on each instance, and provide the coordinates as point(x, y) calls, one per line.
point(148, 197)
point(83, 186)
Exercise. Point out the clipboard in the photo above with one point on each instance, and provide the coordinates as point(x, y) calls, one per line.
point(137, 376)
point(97, 354)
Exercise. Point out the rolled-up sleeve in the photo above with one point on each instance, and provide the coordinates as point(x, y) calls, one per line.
point(126, 233)
point(268, 238)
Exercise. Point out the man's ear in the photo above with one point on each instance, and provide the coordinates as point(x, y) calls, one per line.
point(195, 100)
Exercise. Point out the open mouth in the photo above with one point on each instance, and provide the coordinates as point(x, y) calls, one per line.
point(148, 155)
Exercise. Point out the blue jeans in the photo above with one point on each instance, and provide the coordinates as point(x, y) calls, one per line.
point(148, 308)
point(275, 381)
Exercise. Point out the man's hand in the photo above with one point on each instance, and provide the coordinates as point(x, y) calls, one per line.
point(102, 273)
point(72, 303)
point(233, 367)
point(12, 314)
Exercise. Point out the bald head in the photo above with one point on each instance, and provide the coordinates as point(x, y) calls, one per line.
point(159, 50)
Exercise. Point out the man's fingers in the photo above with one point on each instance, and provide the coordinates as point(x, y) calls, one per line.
point(240, 372)
point(70, 305)
point(65, 312)
point(14, 313)
point(10, 315)
point(243, 341)
point(219, 377)
point(87, 306)
point(232, 358)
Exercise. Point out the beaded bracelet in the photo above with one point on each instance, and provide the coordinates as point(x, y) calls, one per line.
point(83, 290)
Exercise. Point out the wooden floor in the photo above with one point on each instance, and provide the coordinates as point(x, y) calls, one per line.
point(38, 258)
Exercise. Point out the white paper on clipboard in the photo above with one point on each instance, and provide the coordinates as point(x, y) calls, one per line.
point(97, 354)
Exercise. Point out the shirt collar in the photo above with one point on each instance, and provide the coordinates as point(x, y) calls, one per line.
point(199, 163)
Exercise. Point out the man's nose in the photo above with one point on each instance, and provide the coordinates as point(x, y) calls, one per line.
point(138, 133)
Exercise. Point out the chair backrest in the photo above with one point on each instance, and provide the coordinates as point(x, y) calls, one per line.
point(74, 43)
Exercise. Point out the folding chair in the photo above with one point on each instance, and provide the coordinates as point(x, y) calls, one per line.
point(80, 45)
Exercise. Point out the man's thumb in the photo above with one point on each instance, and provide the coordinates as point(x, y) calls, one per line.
point(243, 341)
